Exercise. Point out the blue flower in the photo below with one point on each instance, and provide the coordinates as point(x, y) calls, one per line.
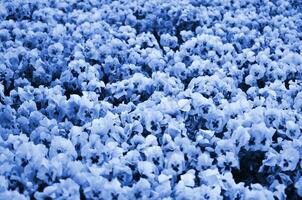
point(216, 121)
point(131, 157)
point(94, 188)
point(142, 189)
point(175, 163)
point(124, 175)
point(289, 159)
point(147, 169)
point(62, 145)
point(261, 136)
point(167, 40)
point(152, 120)
point(155, 155)
point(227, 161)
point(240, 136)
point(87, 110)
point(292, 130)
point(65, 189)
point(272, 118)
point(102, 126)
point(202, 105)
point(113, 189)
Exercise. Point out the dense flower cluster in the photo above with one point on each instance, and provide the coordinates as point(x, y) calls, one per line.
point(156, 99)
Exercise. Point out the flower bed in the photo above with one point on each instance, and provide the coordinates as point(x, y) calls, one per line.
point(182, 99)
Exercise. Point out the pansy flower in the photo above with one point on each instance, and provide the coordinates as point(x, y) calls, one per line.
point(289, 159)
point(65, 189)
point(175, 163)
